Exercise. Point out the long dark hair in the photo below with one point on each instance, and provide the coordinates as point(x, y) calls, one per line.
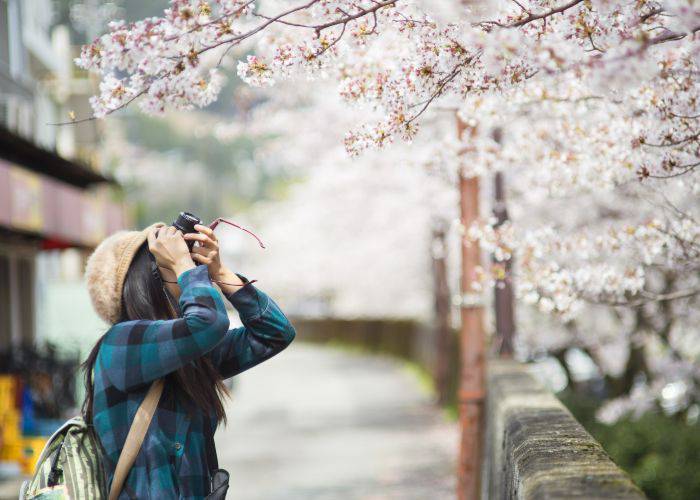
point(145, 298)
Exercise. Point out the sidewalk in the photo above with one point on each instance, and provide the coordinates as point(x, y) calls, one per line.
point(319, 423)
point(9, 488)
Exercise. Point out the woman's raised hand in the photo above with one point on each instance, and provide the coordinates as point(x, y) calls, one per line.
point(207, 252)
point(170, 249)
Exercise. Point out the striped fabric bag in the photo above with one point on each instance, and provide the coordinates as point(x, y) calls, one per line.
point(70, 466)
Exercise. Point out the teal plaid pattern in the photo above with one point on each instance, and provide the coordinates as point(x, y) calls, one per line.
point(172, 460)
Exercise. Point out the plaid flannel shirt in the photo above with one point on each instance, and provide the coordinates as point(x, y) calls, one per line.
point(172, 459)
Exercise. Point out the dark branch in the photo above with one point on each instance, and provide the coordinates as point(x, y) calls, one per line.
point(534, 17)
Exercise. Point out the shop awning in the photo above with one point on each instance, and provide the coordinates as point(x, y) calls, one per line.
point(17, 150)
point(46, 197)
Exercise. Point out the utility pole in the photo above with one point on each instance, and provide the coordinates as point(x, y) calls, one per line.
point(471, 386)
point(503, 292)
point(443, 333)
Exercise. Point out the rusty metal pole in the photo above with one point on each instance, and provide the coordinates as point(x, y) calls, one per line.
point(503, 291)
point(442, 304)
point(471, 387)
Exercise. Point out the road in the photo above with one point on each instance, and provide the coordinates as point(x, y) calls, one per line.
point(322, 423)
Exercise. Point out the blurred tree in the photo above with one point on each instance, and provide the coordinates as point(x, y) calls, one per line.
point(179, 164)
point(660, 453)
point(138, 9)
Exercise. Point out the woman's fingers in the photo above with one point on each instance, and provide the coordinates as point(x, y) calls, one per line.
point(197, 237)
point(200, 250)
point(208, 253)
point(203, 239)
point(169, 234)
point(201, 258)
point(205, 230)
point(163, 234)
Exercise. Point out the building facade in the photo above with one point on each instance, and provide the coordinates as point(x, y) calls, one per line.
point(53, 195)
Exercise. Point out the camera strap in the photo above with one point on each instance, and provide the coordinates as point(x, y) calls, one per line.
point(217, 479)
point(218, 220)
point(212, 459)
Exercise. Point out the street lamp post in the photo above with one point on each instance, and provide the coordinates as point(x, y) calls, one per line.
point(503, 291)
point(443, 331)
point(471, 386)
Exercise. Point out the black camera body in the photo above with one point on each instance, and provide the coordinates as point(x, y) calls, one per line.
point(185, 223)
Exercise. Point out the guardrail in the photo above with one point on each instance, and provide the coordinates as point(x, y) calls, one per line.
point(535, 448)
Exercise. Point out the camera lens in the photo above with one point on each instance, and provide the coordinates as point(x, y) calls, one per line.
point(185, 222)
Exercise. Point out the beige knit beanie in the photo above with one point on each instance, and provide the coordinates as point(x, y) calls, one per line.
point(106, 270)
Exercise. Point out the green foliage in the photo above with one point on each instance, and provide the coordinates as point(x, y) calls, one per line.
point(219, 157)
point(135, 10)
point(131, 10)
point(660, 453)
point(217, 177)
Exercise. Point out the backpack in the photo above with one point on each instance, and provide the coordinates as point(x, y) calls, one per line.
point(71, 466)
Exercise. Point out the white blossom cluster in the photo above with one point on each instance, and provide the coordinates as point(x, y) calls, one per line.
point(604, 211)
point(160, 60)
point(393, 54)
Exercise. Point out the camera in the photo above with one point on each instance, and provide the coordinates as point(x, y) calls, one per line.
point(185, 223)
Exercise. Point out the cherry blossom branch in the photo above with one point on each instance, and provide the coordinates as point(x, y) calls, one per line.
point(667, 36)
point(123, 43)
point(214, 21)
point(271, 20)
point(648, 298)
point(650, 14)
point(533, 17)
point(342, 21)
point(676, 142)
point(671, 36)
point(351, 17)
point(440, 88)
point(93, 117)
point(684, 170)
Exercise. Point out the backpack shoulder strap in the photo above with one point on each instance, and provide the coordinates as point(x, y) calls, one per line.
point(134, 439)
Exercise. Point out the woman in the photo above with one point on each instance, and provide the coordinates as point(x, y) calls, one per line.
point(168, 321)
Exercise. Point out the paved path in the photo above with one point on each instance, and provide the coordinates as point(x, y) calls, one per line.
point(318, 423)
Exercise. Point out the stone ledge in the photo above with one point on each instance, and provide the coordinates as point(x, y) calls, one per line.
point(535, 449)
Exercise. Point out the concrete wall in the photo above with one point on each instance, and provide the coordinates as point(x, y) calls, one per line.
point(398, 338)
point(535, 449)
point(404, 339)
